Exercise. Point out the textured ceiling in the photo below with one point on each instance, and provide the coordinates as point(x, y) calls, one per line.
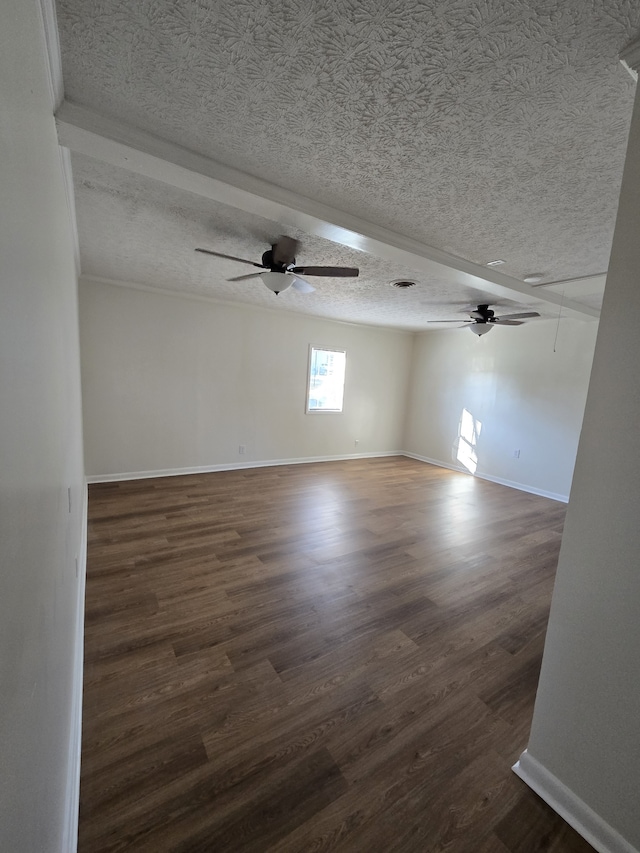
point(123, 219)
point(488, 129)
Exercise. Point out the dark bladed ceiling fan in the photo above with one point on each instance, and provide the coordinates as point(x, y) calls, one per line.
point(280, 270)
point(483, 319)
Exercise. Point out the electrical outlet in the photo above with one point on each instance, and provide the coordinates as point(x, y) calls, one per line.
point(516, 454)
point(241, 449)
point(356, 442)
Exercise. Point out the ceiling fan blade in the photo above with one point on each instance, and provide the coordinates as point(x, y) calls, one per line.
point(284, 251)
point(245, 277)
point(331, 272)
point(464, 322)
point(229, 257)
point(518, 316)
point(500, 322)
point(302, 286)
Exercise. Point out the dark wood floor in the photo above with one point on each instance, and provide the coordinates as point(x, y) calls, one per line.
point(338, 656)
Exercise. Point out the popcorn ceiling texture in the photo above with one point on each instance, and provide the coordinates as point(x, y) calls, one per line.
point(133, 229)
point(493, 128)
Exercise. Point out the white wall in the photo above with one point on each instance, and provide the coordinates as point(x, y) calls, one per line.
point(526, 397)
point(586, 724)
point(173, 382)
point(40, 457)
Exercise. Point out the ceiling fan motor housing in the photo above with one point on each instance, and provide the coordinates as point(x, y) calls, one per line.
point(267, 261)
point(483, 313)
point(267, 258)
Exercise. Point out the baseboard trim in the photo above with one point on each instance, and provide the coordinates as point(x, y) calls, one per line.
point(600, 835)
point(232, 466)
point(237, 466)
point(521, 487)
point(75, 739)
point(450, 466)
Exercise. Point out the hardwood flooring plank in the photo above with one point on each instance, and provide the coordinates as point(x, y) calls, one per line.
point(492, 844)
point(144, 771)
point(531, 826)
point(308, 787)
point(460, 816)
point(283, 735)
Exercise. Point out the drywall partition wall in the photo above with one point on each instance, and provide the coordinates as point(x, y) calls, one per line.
point(173, 383)
point(506, 402)
point(41, 477)
point(584, 748)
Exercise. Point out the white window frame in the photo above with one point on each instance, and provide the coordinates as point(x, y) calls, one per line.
point(317, 411)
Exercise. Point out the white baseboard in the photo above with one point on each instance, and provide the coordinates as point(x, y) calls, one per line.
point(70, 842)
point(235, 466)
point(521, 487)
point(231, 466)
point(600, 835)
point(436, 462)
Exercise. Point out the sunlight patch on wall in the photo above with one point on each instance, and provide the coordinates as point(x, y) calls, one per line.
point(468, 434)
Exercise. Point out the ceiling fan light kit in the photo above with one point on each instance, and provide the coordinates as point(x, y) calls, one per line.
point(480, 328)
point(277, 281)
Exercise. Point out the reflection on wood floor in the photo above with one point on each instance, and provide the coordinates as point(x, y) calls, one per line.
point(338, 656)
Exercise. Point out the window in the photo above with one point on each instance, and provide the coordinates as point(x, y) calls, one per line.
point(325, 391)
